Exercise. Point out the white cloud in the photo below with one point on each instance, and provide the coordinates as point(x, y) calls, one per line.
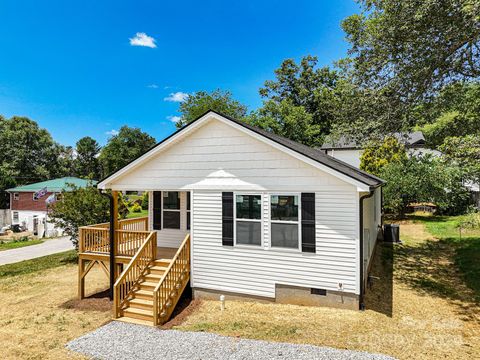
point(142, 39)
point(152, 86)
point(112, 132)
point(174, 119)
point(177, 97)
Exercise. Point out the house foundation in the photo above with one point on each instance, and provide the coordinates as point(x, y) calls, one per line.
point(286, 294)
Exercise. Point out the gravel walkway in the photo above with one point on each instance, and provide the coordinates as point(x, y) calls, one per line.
point(118, 340)
point(48, 247)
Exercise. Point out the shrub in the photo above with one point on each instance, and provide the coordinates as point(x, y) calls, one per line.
point(136, 208)
point(378, 154)
point(145, 201)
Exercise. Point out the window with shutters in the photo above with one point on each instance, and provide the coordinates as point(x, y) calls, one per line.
point(171, 210)
point(285, 221)
point(248, 219)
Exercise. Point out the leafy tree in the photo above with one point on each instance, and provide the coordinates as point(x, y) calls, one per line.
point(378, 154)
point(28, 154)
point(414, 47)
point(450, 124)
point(465, 152)
point(200, 102)
point(86, 162)
point(287, 120)
point(79, 207)
point(424, 179)
point(124, 147)
point(304, 85)
point(455, 112)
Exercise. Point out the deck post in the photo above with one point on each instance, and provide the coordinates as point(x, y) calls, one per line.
point(81, 278)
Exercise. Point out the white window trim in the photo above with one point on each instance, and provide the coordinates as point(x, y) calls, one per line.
point(173, 210)
point(261, 221)
point(298, 222)
point(16, 196)
point(17, 216)
point(33, 197)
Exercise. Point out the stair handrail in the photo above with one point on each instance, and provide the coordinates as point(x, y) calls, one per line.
point(173, 280)
point(129, 278)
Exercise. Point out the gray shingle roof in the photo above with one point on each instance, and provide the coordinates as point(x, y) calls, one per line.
point(412, 139)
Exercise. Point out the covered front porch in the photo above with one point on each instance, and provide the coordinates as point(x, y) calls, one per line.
point(147, 259)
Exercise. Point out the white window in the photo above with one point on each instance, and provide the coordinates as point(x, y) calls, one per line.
point(16, 196)
point(285, 221)
point(15, 217)
point(34, 197)
point(171, 210)
point(248, 219)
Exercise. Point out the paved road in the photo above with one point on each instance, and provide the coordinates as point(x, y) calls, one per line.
point(49, 247)
point(122, 341)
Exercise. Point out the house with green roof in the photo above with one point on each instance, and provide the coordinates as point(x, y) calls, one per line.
point(29, 204)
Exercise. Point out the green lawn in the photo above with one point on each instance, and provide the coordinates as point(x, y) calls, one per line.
point(41, 263)
point(466, 248)
point(14, 244)
point(132, 214)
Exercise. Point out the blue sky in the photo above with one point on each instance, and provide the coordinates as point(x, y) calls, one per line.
point(70, 65)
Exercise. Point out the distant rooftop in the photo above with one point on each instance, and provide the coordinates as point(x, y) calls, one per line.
point(54, 185)
point(411, 140)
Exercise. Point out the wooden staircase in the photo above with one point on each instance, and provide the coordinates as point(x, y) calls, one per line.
point(139, 306)
point(148, 289)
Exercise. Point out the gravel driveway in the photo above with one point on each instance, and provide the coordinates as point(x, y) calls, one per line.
point(118, 340)
point(51, 246)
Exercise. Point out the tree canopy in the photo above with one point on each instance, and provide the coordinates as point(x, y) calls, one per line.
point(218, 100)
point(29, 154)
point(86, 162)
point(415, 47)
point(124, 147)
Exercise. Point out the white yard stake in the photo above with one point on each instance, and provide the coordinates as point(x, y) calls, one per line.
point(222, 302)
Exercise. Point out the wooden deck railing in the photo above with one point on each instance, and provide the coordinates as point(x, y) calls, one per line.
point(130, 277)
point(130, 236)
point(93, 239)
point(172, 283)
point(128, 241)
point(135, 224)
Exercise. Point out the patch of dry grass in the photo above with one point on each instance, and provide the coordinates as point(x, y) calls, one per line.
point(405, 318)
point(39, 314)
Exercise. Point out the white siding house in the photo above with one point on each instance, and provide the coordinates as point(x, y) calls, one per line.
point(272, 255)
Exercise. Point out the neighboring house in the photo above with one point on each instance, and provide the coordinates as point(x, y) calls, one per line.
point(351, 152)
point(249, 214)
point(30, 210)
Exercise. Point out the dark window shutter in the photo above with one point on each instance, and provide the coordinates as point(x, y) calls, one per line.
point(308, 222)
point(227, 218)
point(157, 210)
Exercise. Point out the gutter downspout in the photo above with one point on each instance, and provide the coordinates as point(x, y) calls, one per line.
point(362, 283)
point(112, 247)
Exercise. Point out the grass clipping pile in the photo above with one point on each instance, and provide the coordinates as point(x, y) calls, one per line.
point(401, 321)
point(38, 313)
